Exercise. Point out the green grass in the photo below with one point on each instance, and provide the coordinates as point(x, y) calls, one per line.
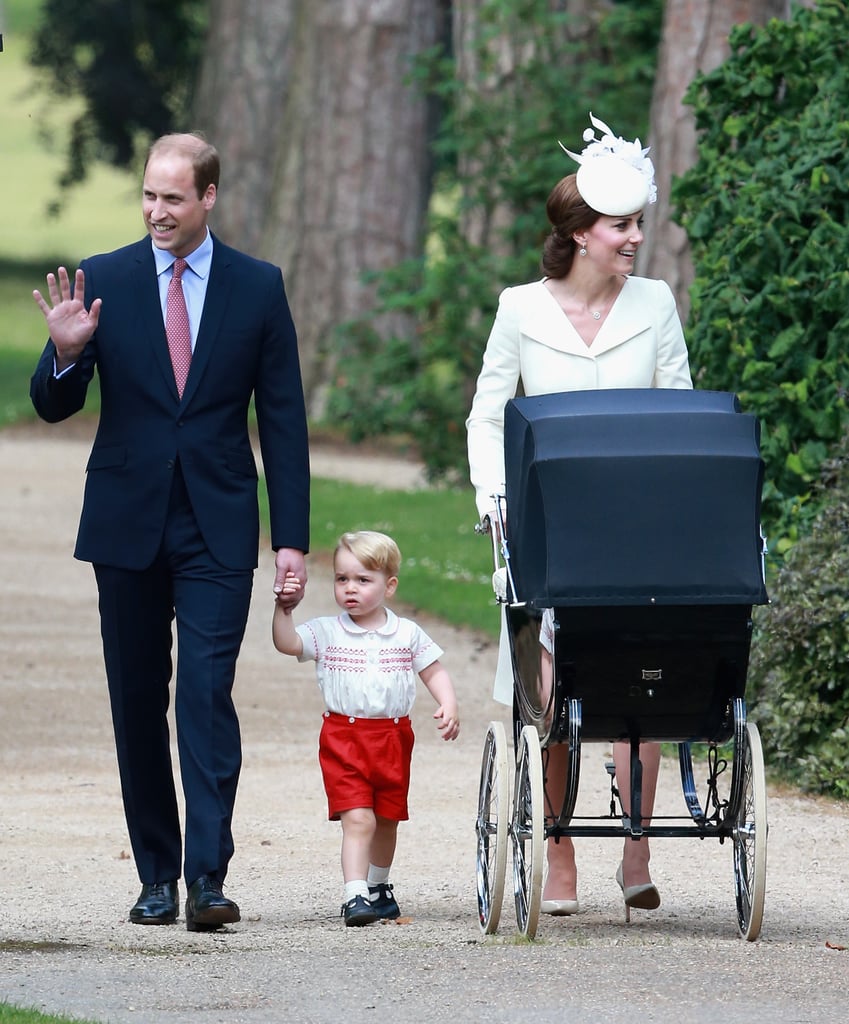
point(446, 567)
point(23, 325)
point(17, 1015)
point(21, 340)
point(15, 371)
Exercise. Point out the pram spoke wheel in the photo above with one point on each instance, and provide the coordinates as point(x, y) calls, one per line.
point(526, 831)
point(492, 827)
point(750, 837)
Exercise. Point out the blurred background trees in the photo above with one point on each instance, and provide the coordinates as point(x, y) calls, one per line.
point(695, 41)
point(393, 156)
point(326, 143)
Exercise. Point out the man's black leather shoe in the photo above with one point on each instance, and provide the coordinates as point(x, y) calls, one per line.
point(207, 907)
point(157, 904)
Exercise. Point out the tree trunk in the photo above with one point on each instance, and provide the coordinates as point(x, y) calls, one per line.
point(241, 91)
point(486, 66)
point(695, 39)
point(349, 166)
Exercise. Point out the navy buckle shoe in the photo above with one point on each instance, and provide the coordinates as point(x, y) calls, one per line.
point(383, 902)
point(358, 911)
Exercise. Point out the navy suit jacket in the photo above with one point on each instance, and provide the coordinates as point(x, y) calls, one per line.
point(246, 346)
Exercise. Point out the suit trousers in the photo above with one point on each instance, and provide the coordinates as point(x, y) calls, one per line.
point(210, 605)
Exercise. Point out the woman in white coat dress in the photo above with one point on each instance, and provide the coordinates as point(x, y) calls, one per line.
point(586, 324)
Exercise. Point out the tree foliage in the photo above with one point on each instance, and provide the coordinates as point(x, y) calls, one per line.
point(799, 672)
point(770, 302)
point(497, 150)
point(132, 62)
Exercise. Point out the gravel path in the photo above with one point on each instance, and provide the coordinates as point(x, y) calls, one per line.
point(67, 881)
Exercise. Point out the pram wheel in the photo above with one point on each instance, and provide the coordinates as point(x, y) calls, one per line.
point(492, 826)
point(749, 835)
point(526, 831)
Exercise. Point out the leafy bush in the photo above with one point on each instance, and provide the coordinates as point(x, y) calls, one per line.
point(799, 672)
point(769, 236)
point(497, 159)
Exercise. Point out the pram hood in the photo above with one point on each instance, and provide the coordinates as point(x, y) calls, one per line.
point(634, 497)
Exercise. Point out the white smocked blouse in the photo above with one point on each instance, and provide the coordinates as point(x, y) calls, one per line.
point(367, 673)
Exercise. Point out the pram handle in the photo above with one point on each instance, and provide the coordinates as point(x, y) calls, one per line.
point(500, 546)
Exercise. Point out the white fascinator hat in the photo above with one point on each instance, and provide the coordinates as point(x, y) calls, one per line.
point(615, 177)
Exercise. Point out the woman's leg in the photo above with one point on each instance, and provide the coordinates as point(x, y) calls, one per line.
point(562, 880)
point(636, 854)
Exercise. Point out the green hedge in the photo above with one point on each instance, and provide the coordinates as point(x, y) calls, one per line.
point(799, 674)
point(766, 208)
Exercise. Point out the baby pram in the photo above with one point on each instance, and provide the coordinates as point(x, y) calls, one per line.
point(633, 523)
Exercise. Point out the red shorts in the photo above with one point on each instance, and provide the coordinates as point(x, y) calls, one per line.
point(365, 762)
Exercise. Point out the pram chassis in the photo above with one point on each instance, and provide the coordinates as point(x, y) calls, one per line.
point(713, 716)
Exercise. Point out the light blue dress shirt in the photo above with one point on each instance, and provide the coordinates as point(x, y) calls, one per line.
point(195, 280)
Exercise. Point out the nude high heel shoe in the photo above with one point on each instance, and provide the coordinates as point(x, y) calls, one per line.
point(559, 908)
point(643, 897)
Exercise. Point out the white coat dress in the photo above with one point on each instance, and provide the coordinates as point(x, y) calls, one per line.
point(639, 345)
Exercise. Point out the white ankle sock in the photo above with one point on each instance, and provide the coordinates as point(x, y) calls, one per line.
point(378, 876)
point(358, 887)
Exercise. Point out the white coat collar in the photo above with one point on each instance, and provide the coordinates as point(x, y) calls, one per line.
point(543, 320)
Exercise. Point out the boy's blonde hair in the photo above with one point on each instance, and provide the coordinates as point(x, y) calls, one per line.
point(374, 550)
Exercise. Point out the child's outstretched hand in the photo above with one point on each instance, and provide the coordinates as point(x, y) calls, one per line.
point(291, 584)
point(447, 721)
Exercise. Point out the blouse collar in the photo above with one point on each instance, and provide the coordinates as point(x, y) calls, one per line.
point(387, 629)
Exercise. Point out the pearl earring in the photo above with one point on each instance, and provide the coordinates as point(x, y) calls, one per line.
point(582, 251)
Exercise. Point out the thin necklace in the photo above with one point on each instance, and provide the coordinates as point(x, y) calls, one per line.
point(594, 313)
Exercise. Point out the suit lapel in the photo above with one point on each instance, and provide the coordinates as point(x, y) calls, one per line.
point(146, 293)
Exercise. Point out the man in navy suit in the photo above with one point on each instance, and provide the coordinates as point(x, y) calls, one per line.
point(170, 515)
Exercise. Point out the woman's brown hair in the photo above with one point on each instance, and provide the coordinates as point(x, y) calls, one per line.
point(567, 213)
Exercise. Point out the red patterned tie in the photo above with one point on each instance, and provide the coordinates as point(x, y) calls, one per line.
point(177, 327)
